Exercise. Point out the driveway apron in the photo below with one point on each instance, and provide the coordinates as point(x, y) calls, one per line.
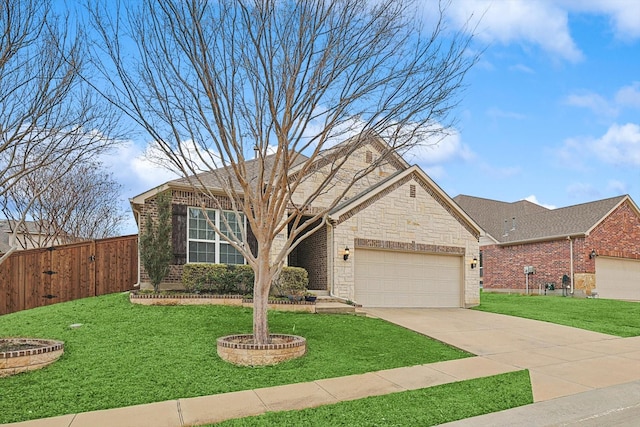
point(561, 360)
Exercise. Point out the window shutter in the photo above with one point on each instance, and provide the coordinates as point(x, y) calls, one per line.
point(179, 234)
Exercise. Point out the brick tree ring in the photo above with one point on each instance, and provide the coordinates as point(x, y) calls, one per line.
point(26, 354)
point(241, 349)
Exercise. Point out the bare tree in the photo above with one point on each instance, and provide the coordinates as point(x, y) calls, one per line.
point(82, 204)
point(286, 79)
point(49, 116)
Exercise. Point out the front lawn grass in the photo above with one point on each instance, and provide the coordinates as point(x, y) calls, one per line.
point(127, 354)
point(611, 317)
point(424, 407)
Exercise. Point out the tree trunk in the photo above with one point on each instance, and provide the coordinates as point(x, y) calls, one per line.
point(262, 285)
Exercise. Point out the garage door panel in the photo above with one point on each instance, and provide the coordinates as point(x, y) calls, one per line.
point(618, 278)
point(407, 279)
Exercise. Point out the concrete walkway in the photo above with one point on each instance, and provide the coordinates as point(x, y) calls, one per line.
point(562, 361)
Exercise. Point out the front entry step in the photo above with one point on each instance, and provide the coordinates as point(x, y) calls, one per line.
point(333, 307)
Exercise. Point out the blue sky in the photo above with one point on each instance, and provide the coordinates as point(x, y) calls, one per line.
point(551, 112)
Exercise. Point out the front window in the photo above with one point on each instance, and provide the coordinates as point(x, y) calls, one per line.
point(205, 245)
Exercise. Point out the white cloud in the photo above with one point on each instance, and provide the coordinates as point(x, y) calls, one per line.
point(625, 97)
point(539, 23)
point(624, 15)
point(445, 149)
point(544, 23)
point(629, 96)
point(620, 145)
point(594, 102)
point(134, 170)
point(533, 199)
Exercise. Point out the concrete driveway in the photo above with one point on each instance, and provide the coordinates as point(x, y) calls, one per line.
point(562, 361)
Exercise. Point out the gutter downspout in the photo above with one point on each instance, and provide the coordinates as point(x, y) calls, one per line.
point(137, 216)
point(329, 255)
point(571, 260)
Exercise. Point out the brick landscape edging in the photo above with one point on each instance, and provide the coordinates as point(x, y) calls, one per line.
point(233, 300)
point(232, 349)
point(16, 361)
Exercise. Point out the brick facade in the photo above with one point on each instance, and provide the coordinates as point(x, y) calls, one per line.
point(618, 235)
point(310, 254)
point(503, 266)
point(185, 198)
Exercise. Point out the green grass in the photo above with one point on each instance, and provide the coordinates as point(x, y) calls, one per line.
point(126, 354)
point(612, 317)
point(424, 407)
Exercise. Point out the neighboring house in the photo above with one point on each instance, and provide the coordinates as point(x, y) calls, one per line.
point(30, 235)
point(596, 245)
point(410, 245)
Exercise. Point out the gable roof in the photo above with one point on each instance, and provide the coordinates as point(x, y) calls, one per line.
point(225, 177)
point(523, 221)
point(217, 178)
point(347, 209)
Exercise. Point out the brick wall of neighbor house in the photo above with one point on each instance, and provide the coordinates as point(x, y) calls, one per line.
point(616, 236)
point(503, 267)
point(400, 220)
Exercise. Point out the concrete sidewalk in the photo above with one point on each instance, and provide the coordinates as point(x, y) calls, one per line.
point(562, 361)
point(216, 408)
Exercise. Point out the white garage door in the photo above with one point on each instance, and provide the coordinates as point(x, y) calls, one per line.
point(407, 279)
point(618, 278)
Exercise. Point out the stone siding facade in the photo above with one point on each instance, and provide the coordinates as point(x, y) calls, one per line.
point(359, 160)
point(407, 219)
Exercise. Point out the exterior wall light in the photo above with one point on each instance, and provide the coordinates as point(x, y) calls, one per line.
point(474, 262)
point(345, 254)
point(593, 254)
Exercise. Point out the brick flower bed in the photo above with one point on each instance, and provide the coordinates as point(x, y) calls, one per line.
point(204, 299)
point(241, 350)
point(26, 354)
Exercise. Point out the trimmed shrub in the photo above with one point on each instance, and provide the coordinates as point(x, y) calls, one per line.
point(219, 279)
point(232, 279)
point(292, 281)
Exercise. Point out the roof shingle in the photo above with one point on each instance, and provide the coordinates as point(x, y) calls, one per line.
point(523, 221)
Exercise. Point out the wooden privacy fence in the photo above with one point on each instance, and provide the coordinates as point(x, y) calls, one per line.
point(38, 277)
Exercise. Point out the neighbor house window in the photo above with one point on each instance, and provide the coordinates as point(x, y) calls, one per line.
point(205, 245)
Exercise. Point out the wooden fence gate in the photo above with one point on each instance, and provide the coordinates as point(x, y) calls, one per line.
point(38, 277)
